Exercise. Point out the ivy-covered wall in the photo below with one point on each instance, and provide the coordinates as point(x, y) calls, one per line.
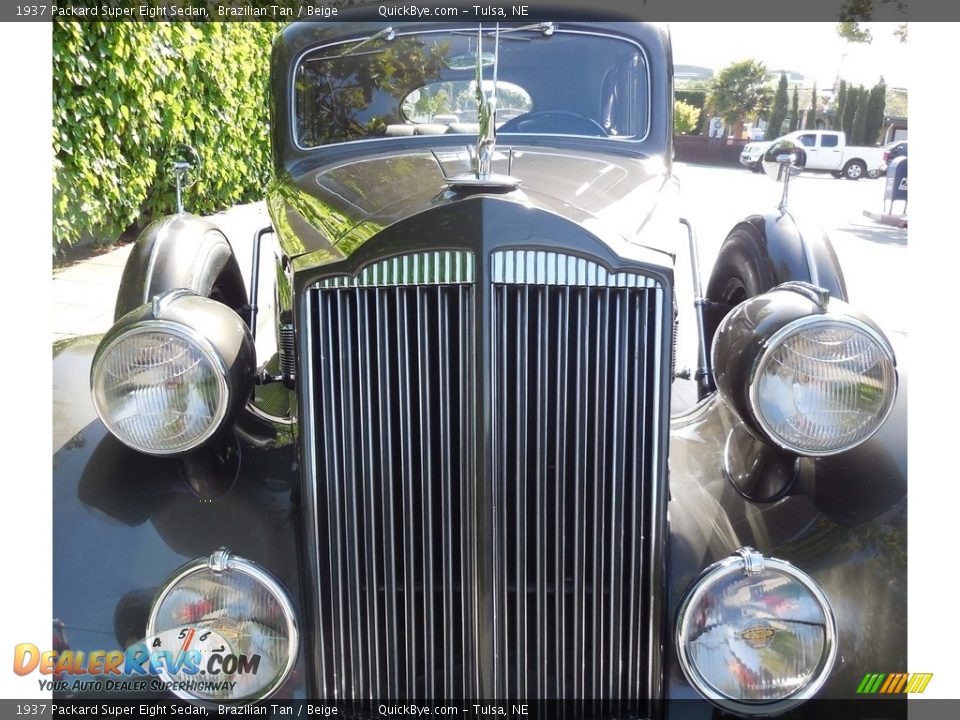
point(126, 92)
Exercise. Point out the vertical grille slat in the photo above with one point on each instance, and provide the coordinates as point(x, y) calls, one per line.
point(409, 539)
point(562, 532)
point(520, 481)
point(331, 410)
point(385, 392)
point(574, 359)
point(347, 493)
point(368, 484)
point(468, 546)
point(542, 460)
point(425, 425)
point(446, 518)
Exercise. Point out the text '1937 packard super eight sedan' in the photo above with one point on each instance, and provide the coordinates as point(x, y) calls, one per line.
point(466, 474)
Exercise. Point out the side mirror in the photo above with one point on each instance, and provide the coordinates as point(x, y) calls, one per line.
point(784, 158)
point(182, 164)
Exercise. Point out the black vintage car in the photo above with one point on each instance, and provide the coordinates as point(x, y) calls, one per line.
point(460, 476)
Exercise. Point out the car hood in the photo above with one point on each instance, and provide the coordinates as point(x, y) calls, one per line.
point(324, 213)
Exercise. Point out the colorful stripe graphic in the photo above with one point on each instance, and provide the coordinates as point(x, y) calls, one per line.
point(894, 683)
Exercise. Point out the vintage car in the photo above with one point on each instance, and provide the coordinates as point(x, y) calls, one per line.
point(468, 472)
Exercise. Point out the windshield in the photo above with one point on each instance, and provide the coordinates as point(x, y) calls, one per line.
point(564, 83)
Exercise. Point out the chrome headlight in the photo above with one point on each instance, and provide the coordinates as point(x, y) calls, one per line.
point(230, 626)
point(170, 373)
point(823, 385)
point(756, 635)
point(811, 374)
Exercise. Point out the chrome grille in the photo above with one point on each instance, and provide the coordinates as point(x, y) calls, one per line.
point(574, 374)
point(420, 542)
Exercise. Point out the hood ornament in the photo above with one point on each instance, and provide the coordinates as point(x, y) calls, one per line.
point(483, 176)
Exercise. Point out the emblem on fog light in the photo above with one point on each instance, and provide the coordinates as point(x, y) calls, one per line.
point(758, 635)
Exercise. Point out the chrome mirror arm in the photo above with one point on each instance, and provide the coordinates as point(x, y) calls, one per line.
point(182, 162)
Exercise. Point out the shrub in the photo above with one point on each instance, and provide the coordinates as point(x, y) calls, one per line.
point(685, 118)
point(124, 93)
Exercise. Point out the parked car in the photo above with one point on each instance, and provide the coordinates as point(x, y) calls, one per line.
point(460, 476)
point(895, 149)
point(826, 151)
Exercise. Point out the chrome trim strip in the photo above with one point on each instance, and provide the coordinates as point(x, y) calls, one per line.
point(442, 267)
point(541, 267)
point(660, 474)
point(309, 485)
point(292, 78)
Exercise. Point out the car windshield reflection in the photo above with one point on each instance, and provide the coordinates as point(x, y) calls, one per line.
point(425, 84)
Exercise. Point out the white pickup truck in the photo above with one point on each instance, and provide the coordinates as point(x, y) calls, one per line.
point(827, 151)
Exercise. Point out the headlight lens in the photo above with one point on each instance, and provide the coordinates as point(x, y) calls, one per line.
point(240, 624)
point(756, 635)
point(823, 385)
point(160, 388)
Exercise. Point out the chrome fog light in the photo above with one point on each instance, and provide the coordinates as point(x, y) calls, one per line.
point(756, 635)
point(236, 620)
point(809, 373)
point(168, 375)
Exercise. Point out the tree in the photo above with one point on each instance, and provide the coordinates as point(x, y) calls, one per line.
point(854, 31)
point(685, 117)
point(812, 115)
point(841, 101)
point(795, 109)
point(738, 92)
point(779, 112)
point(849, 110)
point(875, 109)
point(858, 134)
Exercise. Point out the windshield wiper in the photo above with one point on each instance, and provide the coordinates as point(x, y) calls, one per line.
point(388, 34)
point(545, 28)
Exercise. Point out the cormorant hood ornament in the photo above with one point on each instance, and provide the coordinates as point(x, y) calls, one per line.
point(483, 175)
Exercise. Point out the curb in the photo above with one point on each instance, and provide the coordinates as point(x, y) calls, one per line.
point(897, 221)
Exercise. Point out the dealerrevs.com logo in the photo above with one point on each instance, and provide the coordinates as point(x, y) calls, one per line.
point(188, 660)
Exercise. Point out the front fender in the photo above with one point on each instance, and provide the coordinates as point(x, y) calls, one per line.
point(795, 250)
point(844, 522)
point(124, 521)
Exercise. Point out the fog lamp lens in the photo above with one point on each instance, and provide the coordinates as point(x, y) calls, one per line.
point(235, 619)
point(755, 635)
point(160, 388)
point(823, 385)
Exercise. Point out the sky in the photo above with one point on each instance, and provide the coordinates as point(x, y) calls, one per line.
point(812, 49)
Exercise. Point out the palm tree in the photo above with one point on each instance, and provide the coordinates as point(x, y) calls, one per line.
point(739, 91)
